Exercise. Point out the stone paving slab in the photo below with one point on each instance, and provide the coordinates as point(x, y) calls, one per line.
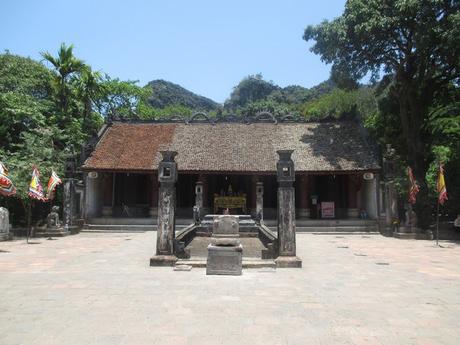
point(353, 289)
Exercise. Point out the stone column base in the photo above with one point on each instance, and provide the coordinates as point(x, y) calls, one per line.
point(163, 260)
point(107, 211)
point(4, 236)
point(288, 262)
point(416, 234)
point(352, 213)
point(303, 212)
point(52, 232)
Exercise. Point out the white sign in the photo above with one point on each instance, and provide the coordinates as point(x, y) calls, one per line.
point(327, 209)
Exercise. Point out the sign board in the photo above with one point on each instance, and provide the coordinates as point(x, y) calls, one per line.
point(327, 209)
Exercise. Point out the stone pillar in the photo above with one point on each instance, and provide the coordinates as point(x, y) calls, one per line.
point(68, 210)
point(4, 224)
point(167, 176)
point(303, 192)
point(252, 207)
point(259, 201)
point(391, 201)
point(286, 211)
point(352, 197)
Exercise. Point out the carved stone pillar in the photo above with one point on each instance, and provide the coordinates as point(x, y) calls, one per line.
point(391, 201)
point(286, 211)
point(167, 176)
point(69, 206)
point(4, 224)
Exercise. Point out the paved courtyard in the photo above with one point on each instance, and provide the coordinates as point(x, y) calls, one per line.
point(352, 289)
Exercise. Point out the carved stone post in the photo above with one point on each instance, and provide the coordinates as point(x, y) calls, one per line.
point(167, 176)
point(4, 224)
point(286, 211)
point(260, 201)
point(68, 209)
point(391, 201)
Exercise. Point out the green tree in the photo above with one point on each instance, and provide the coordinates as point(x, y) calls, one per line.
point(66, 66)
point(89, 90)
point(124, 98)
point(25, 97)
point(417, 43)
point(253, 88)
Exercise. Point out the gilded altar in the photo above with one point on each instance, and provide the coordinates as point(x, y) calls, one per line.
point(229, 202)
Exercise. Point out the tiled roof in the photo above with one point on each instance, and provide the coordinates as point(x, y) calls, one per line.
point(334, 146)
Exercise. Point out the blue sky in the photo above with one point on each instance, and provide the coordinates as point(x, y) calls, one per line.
point(205, 46)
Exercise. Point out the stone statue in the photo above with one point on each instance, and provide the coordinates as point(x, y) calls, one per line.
point(411, 219)
point(52, 220)
point(4, 224)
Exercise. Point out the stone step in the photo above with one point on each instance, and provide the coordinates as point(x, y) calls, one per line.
point(333, 229)
point(247, 263)
point(326, 223)
point(123, 228)
point(133, 221)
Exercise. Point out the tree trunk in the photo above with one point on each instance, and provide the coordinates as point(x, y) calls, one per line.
point(412, 111)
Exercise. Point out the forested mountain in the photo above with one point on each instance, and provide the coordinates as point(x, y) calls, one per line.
point(254, 89)
point(162, 93)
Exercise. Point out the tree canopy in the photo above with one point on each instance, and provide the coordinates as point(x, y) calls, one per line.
point(416, 45)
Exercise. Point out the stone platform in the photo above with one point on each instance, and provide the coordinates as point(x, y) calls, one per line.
point(99, 289)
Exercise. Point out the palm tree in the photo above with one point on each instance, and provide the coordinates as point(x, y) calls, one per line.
point(89, 89)
point(65, 64)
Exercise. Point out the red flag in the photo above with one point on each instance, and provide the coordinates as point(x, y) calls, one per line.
point(413, 186)
point(441, 185)
point(52, 184)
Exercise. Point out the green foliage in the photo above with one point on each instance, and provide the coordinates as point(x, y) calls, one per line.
point(340, 104)
point(441, 154)
point(253, 88)
point(124, 98)
point(162, 94)
point(417, 45)
point(66, 66)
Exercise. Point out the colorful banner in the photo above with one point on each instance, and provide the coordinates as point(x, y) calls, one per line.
point(441, 185)
point(35, 187)
point(413, 186)
point(6, 185)
point(53, 182)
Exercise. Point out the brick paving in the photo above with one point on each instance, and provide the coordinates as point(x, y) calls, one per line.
point(352, 289)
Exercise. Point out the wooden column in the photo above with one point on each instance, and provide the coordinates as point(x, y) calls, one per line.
point(206, 202)
point(352, 190)
point(303, 193)
point(154, 196)
point(253, 196)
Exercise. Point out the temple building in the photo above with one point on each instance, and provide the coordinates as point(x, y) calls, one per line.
point(337, 168)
